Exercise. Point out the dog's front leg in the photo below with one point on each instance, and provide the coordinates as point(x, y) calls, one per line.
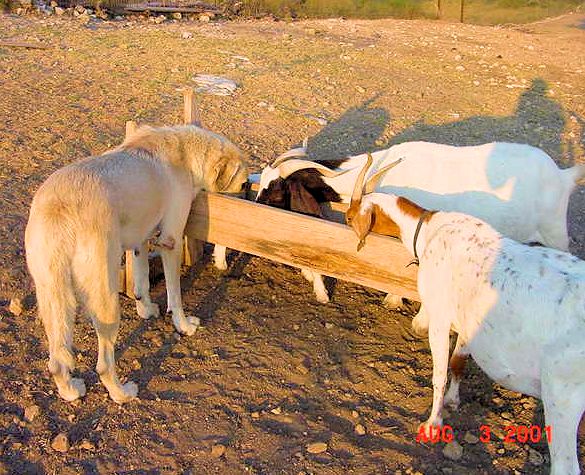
point(172, 266)
point(144, 305)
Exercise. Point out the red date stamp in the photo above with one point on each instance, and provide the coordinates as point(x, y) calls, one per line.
point(514, 434)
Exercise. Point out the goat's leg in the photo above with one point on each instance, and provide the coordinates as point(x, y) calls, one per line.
point(563, 396)
point(318, 285)
point(439, 342)
point(219, 257)
point(457, 366)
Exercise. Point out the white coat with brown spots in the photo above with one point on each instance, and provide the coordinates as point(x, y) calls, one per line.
point(519, 311)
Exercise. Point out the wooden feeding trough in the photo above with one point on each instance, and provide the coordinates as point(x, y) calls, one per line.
point(327, 247)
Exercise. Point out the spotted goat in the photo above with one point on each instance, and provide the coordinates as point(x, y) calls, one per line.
point(518, 310)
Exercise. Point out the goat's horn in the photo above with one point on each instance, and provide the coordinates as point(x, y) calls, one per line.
point(288, 168)
point(373, 180)
point(359, 183)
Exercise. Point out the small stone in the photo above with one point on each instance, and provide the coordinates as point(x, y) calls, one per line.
point(217, 451)
point(255, 415)
point(59, 11)
point(60, 443)
point(470, 438)
point(458, 57)
point(16, 306)
point(177, 16)
point(71, 417)
point(360, 429)
point(355, 414)
point(86, 445)
point(276, 411)
point(136, 365)
point(360, 89)
point(329, 325)
point(160, 19)
point(501, 451)
point(507, 415)
point(80, 9)
point(453, 451)
point(204, 18)
point(186, 35)
point(317, 447)
point(460, 68)
point(302, 369)
point(296, 327)
point(535, 457)
point(31, 412)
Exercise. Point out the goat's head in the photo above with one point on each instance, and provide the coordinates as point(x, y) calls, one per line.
point(367, 217)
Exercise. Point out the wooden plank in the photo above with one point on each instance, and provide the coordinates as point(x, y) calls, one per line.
point(303, 241)
point(161, 9)
point(22, 44)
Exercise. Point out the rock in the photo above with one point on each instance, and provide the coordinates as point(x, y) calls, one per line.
point(317, 447)
point(276, 411)
point(360, 429)
point(460, 68)
point(470, 438)
point(86, 445)
point(160, 19)
point(60, 443)
point(31, 412)
point(329, 325)
point(355, 414)
point(360, 89)
point(59, 11)
point(453, 451)
point(177, 16)
point(80, 9)
point(215, 85)
point(535, 457)
point(186, 35)
point(16, 306)
point(204, 18)
point(296, 327)
point(507, 415)
point(217, 451)
point(255, 415)
point(136, 365)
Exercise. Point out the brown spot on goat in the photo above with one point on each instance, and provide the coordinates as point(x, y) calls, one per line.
point(457, 365)
point(411, 209)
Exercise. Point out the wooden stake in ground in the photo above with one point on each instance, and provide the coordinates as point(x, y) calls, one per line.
point(192, 248)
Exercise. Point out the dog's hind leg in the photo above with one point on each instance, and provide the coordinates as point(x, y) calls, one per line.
point(144, 306)
point(563, 396)
point(96, 270)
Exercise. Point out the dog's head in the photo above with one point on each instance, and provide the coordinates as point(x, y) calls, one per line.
point(225, 169)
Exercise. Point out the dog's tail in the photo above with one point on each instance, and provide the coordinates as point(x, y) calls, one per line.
point(49, 243)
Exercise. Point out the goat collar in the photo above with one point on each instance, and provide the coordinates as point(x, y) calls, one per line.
point(421, 220)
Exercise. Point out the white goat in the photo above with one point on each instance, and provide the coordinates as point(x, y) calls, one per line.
point(516, 188)
point(519, 311)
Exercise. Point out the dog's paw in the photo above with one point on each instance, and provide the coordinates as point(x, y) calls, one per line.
point(188, 325)
point(75, 390)
point(126, 393)
point(392, 302)
point(146, 311)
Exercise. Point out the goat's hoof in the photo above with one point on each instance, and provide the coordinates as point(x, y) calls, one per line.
point(392, 302)
point(220, 265)
point(323, 298)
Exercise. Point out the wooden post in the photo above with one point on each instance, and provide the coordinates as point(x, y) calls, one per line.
point(128, 289)
point(461, 13)
point(192, 248)
point(439, 10)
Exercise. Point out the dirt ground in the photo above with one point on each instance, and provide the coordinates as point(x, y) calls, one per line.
point(271, 371)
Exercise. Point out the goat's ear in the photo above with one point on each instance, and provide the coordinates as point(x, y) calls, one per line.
point(302, 201)
point(362, 225)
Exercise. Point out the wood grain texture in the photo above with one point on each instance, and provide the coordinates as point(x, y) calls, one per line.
point(303, 241)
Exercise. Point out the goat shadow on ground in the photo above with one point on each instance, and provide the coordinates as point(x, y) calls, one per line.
point(538, 120)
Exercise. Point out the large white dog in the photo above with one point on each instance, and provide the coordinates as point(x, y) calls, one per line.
point(85, 215)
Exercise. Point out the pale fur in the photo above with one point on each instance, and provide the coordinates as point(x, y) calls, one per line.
point(516, 188)
point(86, 214)
point(518, 310)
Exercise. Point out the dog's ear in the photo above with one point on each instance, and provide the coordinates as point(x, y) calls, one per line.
point(362, 224)
point(302, 201)
point(228, 174)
